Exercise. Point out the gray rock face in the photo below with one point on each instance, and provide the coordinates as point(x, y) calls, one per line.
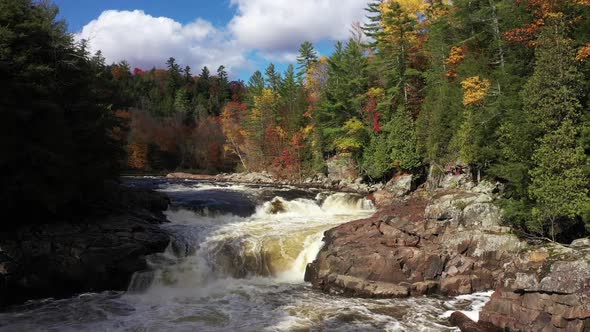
point(451, 244)
point(400, 185)
point(342, 168)
point(583, 243)
point(547, 289)
point(61, 259)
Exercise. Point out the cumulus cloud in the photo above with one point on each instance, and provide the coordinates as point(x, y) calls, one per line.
point(281, 25)
point(280, 57)
point(146, 41)
point(269, 29)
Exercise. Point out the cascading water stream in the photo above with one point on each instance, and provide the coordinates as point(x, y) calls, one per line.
point(277, 241)
point(236, 263)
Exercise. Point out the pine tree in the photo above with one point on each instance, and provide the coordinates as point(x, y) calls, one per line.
point(559, 181)
point(307, 57)
point(273, 78)
point(559, 185)
point(57, 145)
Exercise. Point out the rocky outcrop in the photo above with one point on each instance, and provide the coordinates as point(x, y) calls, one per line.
point(342, 168)
point(465, 324)
point(94, 254)
point(400, 185)
point(339, 180)
point(544, 289)
point(450, 244)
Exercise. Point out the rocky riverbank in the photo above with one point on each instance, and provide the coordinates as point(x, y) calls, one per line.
point(342, 175)
point(451, 241)
point(319, 181)
point(94, 254)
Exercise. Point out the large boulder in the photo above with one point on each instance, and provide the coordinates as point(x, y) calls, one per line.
point(400, 185)
point(342, 168)
point(451, 244)
point(544, 289)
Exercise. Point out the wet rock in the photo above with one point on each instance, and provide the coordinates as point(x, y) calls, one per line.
point(358, 287)
point(452, 242)
point(408, 244)
point(95, 254)
point(465, 324)
point(276, 206)
point(457, 285)
point(425, 288)
point(545, 289)
point(537, 311)
point(181, 175)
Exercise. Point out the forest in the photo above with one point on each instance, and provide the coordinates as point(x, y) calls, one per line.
point(500, 86)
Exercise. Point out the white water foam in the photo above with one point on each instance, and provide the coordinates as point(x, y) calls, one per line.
point(228, 273)
point(475, 302)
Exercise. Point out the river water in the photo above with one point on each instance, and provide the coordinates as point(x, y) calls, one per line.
point(236, 263)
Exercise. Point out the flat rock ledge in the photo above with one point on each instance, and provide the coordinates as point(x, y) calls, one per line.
point(451, 242)
point(96, 254)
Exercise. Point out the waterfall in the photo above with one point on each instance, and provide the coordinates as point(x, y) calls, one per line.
point(236, 262)
point(277, 241)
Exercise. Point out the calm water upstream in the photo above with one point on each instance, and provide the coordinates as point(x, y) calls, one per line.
point(236, 263)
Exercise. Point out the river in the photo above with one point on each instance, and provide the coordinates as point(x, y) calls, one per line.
point(236, 262)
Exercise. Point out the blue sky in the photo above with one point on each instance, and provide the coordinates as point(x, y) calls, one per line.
point(243, 35)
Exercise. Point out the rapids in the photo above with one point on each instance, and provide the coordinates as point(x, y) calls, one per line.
point(236, 262)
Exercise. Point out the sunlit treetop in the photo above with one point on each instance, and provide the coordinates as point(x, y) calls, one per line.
point(475, 89)
point(411, 7)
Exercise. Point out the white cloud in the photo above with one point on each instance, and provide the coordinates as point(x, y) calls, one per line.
point(146, 41)
point(269, 29)
point(281, 25)
point(280, 57)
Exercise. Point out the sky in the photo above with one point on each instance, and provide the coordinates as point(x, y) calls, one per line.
point(242, 35)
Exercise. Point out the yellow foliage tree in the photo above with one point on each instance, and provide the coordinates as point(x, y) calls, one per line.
point(475, 89)
point(413, 8)
point(456, 56)
point(395, 21)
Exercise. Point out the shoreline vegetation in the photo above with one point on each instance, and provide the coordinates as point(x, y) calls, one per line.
point(420, 89)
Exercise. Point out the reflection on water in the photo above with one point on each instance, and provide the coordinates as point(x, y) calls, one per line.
point(230, 272)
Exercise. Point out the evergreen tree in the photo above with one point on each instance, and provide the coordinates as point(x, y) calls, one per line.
point(307, 57)
point(273, 79)
point(559, 181)
point(559, 185)
point(255, 86)
point(57, 146)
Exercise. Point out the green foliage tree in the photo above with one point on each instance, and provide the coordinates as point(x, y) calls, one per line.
point(559, 183)
point(273, 78)
point(58, 150)
point(307, 57)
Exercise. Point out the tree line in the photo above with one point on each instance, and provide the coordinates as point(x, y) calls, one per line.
point(500, 86)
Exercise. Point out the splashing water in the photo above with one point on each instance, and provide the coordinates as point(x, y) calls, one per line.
point(223, 272)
